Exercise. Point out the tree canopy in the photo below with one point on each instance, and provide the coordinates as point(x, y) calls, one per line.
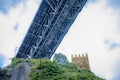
point(60, 58)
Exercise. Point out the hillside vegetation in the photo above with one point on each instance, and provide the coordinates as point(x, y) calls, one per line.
point(44, 69)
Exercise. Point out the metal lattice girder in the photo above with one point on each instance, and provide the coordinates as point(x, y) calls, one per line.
point(51, 23)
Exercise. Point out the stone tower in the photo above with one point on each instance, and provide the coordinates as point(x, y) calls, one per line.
point(81, 60)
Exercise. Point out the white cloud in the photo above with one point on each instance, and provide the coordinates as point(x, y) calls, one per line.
point(96, 23)
point(22, 14)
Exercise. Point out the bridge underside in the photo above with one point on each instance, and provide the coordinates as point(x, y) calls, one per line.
point(52, 21)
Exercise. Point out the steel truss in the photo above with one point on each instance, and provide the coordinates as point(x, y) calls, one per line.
point(52, 21)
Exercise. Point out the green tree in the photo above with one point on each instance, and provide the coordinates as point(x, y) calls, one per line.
point(60, 58)
point(73, 72)
point(45, 69)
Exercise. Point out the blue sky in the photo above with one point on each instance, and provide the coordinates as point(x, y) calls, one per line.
point(1, 60)
point(114, 3)
point(5, 5)
point(96, 31)
point(117, 77)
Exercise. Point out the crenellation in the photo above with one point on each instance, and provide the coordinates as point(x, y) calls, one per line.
point(78, 55)
point(83, 55)
point(81, 60)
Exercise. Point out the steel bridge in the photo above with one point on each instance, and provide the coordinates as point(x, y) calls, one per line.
point(49, 26)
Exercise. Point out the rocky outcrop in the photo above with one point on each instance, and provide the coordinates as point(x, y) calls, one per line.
point(21, 71)
point(5, 74)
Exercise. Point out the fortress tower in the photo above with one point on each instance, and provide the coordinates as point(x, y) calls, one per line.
point(81, 60)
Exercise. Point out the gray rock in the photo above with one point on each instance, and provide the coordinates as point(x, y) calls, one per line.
point(5, 74)
point(21, 71)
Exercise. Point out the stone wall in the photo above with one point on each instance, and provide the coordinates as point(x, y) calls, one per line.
point(81, 60)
